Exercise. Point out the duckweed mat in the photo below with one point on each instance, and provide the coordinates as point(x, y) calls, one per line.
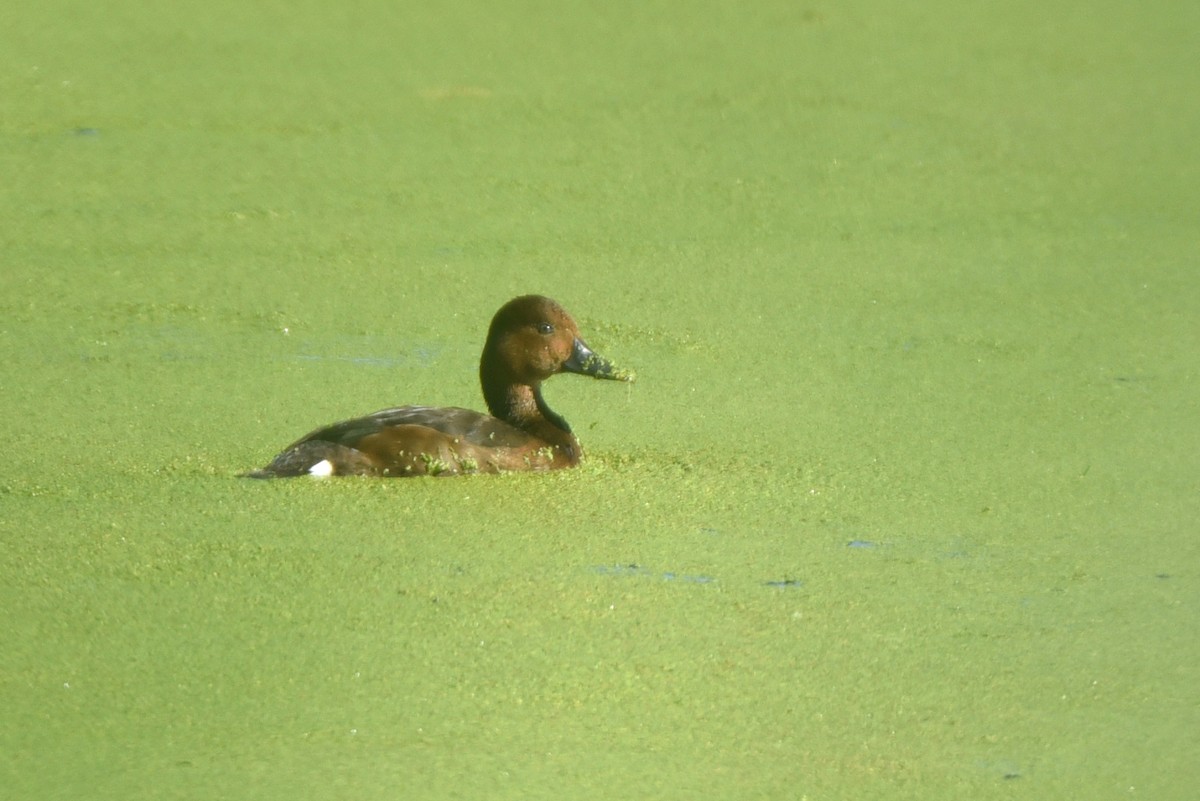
point(903, 504)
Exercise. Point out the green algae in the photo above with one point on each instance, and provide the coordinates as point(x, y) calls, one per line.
point(434, 466)
point(920, 278)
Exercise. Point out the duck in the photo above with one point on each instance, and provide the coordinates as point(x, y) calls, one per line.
point(530, 339)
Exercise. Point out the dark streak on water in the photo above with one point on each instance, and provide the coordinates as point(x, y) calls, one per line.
point(637, 570)
point(784, 584)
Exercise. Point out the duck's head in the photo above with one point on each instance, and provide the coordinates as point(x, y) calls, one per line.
point(531, 338)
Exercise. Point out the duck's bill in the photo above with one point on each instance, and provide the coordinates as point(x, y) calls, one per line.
point(586, 362)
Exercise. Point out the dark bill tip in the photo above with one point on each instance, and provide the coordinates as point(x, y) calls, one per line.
point(586, 362)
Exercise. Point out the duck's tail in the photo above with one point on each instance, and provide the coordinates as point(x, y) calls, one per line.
point(316, 458)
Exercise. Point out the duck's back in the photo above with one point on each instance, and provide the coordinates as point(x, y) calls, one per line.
point(406, 440)
point(463, 424)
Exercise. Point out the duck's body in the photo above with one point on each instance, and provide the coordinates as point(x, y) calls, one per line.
point(530, 339)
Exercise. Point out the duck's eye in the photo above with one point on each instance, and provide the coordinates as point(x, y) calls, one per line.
point(545, 328)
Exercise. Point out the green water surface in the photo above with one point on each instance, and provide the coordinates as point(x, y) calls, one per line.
point(903, 505)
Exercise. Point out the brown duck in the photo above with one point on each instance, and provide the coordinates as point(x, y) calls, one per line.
point(530, 339)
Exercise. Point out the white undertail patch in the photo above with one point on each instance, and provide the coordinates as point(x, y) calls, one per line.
point(321, 469)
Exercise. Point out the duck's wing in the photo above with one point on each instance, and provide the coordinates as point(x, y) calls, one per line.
point(464, 424)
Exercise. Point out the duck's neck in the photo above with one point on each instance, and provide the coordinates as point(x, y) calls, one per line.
point(522, 405)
